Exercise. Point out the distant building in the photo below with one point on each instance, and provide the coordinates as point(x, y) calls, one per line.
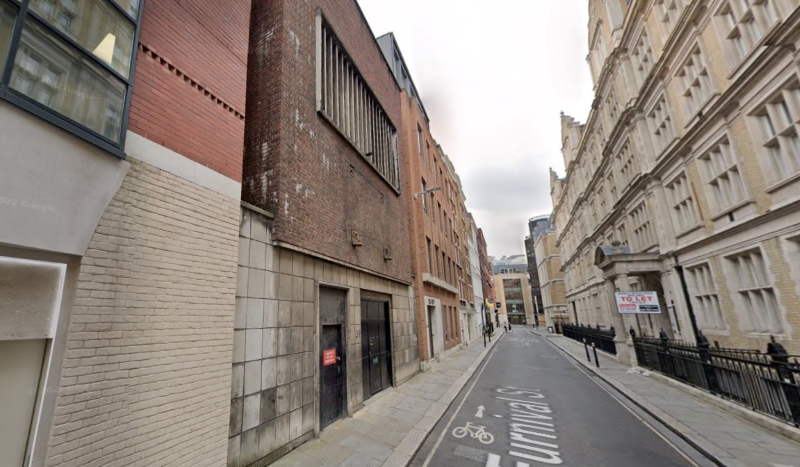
point(512, 290)
point(533, 272)
point(487, 279)
point(548, 264)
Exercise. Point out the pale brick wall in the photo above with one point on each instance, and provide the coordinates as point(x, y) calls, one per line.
point(146, 374)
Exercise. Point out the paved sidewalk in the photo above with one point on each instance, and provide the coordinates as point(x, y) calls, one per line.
point(733, 441)
point(392, 426)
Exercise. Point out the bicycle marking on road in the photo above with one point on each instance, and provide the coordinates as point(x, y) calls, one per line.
point(475, 431)
point(455, 414)
point(529, 418)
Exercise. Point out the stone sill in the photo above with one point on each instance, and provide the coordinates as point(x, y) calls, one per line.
point(435, 281)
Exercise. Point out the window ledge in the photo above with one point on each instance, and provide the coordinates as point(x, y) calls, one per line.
point(730, 209)
point(782, 183)
point(689, 229)
point(755, 50)
point(667, 148)
point(701, 111)
point(716, 332)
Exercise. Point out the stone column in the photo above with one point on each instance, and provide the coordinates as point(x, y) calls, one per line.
point(621, 339)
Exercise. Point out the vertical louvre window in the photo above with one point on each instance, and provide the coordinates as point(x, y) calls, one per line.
point(71, 62)
point(724, 179)
point(642, 230)
point(347, 102)
point(695, 80)
point(779, 120)
point(705, 298)
point(680, 197)
point(757, 297)
point(744, 23)
point(661, 125)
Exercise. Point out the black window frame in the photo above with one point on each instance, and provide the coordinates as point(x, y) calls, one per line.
point(52, 116)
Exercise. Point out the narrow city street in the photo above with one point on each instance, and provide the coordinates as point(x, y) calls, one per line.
point(529, 404)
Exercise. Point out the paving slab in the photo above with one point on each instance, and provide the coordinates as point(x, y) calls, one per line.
point(393, 424)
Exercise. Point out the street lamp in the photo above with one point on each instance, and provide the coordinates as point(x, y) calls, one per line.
point(429, 190)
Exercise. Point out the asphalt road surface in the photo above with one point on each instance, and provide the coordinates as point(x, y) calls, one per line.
point(530, 405)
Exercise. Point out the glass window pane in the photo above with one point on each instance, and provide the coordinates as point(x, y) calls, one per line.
point(131, 6)
point(58, 76)
point(8, 15)
point(95, 25)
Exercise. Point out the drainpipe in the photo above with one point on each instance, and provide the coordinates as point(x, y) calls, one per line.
point(687, 298)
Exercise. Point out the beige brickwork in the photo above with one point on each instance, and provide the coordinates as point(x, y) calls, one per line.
point(651, 144)
point(146, 375)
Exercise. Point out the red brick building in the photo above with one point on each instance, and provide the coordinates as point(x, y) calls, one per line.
point(324, 315)
point(487, 277)
point(436, 203)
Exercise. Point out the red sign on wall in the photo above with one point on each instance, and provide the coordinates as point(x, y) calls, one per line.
point(328, 357)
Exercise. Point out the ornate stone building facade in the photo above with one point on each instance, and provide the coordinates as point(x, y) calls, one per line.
point(690, 158)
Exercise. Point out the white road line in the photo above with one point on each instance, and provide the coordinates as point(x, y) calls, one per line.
point(644, 422)
point(466, 396)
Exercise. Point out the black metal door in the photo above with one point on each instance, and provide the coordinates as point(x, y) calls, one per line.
point(331, 376)
point(375, 347)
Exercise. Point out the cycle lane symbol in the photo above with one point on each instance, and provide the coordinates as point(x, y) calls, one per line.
point(475, 431)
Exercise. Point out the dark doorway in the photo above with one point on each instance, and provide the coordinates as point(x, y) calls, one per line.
point(332, 376)
point(376, 353)
point(331, 358)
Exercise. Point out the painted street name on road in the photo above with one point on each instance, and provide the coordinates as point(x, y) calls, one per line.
point(529, 419)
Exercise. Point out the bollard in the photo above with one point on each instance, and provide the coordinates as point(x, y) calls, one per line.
point(586, 348)
point(596, 361)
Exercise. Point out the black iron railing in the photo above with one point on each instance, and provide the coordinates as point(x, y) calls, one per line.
point(603, 339)
point(764, 382)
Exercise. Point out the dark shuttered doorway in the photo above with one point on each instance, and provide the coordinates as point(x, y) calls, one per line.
point(332, 361)
point(376, 352)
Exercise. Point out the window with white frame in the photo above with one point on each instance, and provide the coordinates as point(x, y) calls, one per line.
point(349, 105)
point(721, 172)
point(684, 213)
point(695, 80)
point(755, 292)
point(778, 120)
point(642, 58)
point(743, 23)
point(628, 165)
point(643, 237)
point(668, 12)
point(612, 187)
point(705, 298)
point(612, 110)
point(661, 125)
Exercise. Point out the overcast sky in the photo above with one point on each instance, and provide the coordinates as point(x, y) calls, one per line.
point(493, 76)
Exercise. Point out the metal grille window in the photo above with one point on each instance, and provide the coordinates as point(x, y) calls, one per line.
point(642, 57)
point(755, 292)
point(779, 120)
point(642, 229)
point(71, 63)
point(705, 298)
point(347, 102)
point(695, 81)
point(661, 125)
point(743, 24)
point(684, 213)
point(724, 180)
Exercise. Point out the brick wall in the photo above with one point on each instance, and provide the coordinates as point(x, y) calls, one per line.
point(296, 164)
point(189, 86)
point(146, 374)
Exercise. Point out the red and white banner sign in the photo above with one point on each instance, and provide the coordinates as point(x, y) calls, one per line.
point(638, 302)
point(328, 357)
